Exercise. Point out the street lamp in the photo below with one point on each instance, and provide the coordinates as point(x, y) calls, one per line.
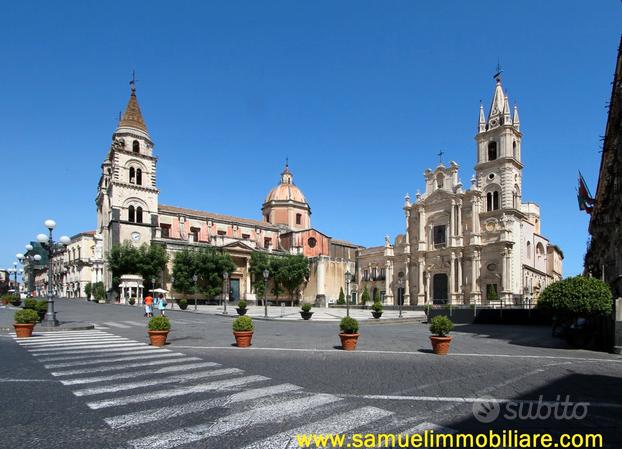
point(266, 275)
point(225, 277)
point(348, 277)
point(47, 241)
point(195, 278)
point(173, 299)
point(31, 269)
point(400, 293)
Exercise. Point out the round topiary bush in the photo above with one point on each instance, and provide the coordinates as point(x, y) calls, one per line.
point(30, 303)
point(242, 304)
point(441, 326)
point(306, 307)
point(183, 304)
point(577, 296)
point(243, 324)
point(349, 325)
point(26, 316)
point(132, 301)
point(159, 323)
point(377, 306)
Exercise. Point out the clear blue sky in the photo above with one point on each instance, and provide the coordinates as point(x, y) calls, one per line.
point(360, 95)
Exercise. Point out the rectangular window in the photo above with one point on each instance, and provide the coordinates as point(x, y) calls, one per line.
point(246, 236)
point(166, 231)
point(267, 242)
point(298, 219)
point(374, 274)
point(194, 232)
point(221, 232)
point(439, 233)
point(366, 275)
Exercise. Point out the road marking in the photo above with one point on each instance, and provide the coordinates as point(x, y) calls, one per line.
point(151, 382)
point(114, 360)
point(97, 326)
point(102, 369)
point(62, 333)
point(53, 344)
point(364, 351)
point(64, 339)
point(160, 413)
point(26, 380)
point(146, 350)
point(261, 415)
point(148, 372)
point(136, 323)
point(342, 423)
point(107, 345)
point(177, 391)
point(100, 351)
point(119, 325)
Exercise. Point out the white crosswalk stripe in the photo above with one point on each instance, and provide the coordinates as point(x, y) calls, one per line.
point(157, 355)
point(159, 381)
point(342, 423)
point(110, 370)
point(179, 391)
point(101, 369)
point(157, 414)
point(136, 323)
point(269, 413)
point(148, 372)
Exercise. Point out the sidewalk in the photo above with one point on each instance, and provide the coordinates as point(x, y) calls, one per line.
point(288, 313)
point(8, 312)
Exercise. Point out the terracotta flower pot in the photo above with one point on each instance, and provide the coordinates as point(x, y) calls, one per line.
point(243, 338)
point(241, 311)
point(23, 330)
point(440, 345)
point(158, 338)
point(348, 341)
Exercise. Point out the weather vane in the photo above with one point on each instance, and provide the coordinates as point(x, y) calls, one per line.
point(499, 71)
point(133, 82)
point(440, 156)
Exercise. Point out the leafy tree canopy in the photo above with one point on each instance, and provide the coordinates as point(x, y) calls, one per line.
point(147, 261)
point(209, 264)
point(577, 296)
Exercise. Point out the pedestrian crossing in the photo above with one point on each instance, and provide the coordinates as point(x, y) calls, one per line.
point(162, 398)
point(107, 325)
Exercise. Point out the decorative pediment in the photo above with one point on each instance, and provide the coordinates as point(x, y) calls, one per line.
point(239, 246)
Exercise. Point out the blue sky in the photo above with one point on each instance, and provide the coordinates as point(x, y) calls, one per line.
point(360, 96)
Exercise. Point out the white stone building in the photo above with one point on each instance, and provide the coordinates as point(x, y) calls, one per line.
point(477, 245)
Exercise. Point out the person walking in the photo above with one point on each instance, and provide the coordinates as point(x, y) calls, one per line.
point(161, 302)
point(148, 306)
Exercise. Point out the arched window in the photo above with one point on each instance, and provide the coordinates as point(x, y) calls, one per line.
point(139, 214)
point(488, 201)
point(139, 177)
point(131, 214)
point(495, 200)
point(528, 250)
point(132, 175)
point(136, 146)
point(539, 251)
point(514, 149)
point(492, 151)
point(440, 181)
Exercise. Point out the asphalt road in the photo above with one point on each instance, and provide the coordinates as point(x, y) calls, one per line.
point(107, 389)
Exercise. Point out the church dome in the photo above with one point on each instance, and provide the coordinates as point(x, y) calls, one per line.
point(286, 190)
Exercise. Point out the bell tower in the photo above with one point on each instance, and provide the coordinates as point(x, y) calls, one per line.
point(127, 195)
point(499, 166)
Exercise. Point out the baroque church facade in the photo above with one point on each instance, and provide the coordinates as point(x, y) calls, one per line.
point(475, 245)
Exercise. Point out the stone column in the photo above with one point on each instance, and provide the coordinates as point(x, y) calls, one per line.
point(421, 294)
point(427, 288)
point(407, 281)
point(320, 281)
point(459, 280)
point(422, 233)
point(388, 297)
point(452, 230)
point(476, 294)
point(459, 233)
point(507, 277)
point(452, 280)
point(475, 233)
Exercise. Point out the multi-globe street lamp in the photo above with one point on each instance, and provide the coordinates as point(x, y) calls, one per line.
point(48, 243)
point(14, 272)
point(348, 278)
point(225, 291)
point(266, 275)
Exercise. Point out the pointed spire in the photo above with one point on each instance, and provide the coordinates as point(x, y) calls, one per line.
point(132, 117)
point(497, 105)
point(482, 118)
point(506, 110)
point(515, 119)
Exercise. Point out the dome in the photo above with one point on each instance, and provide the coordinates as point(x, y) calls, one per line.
point(286, 190)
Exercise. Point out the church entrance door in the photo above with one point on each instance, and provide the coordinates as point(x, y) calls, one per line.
point(234, 291)
point(439, 288)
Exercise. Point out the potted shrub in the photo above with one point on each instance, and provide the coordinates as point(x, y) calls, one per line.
point(243, 331)
point(159, 327)
point(241, 308)
point(41, 308)
point(6, 299)
point(349, 333)
point(365, 296)
point(306, 313)
point(16, 301)
point(440, 326)
point(25, 320)
point(132, 301)
point(30, 303)
point(376, 309)
point(183, 304)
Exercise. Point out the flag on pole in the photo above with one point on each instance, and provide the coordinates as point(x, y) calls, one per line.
point(586, 202)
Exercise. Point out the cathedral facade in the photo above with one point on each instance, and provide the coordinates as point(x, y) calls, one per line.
point(481, 244)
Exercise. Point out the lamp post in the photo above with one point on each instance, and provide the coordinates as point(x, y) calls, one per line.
point(172, 299)
point(348, 277)
point(195, 278)
point(266, 275)
point(225, 291)
point(14, 272)
point(400, 293)
point(47, 241)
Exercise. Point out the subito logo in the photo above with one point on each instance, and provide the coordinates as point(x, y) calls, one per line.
point(486, 409)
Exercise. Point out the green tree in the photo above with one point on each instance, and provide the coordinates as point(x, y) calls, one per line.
point(577, 296)
point(258, 263)
point(342, 296)
point(211, 263)
point(276, 275)
point(377, 295)
point(184, 267)
point(153, 258)
point(148, 261)
point(365, 296)
point(99, 291)
point(88, 290)
point(293, 272)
